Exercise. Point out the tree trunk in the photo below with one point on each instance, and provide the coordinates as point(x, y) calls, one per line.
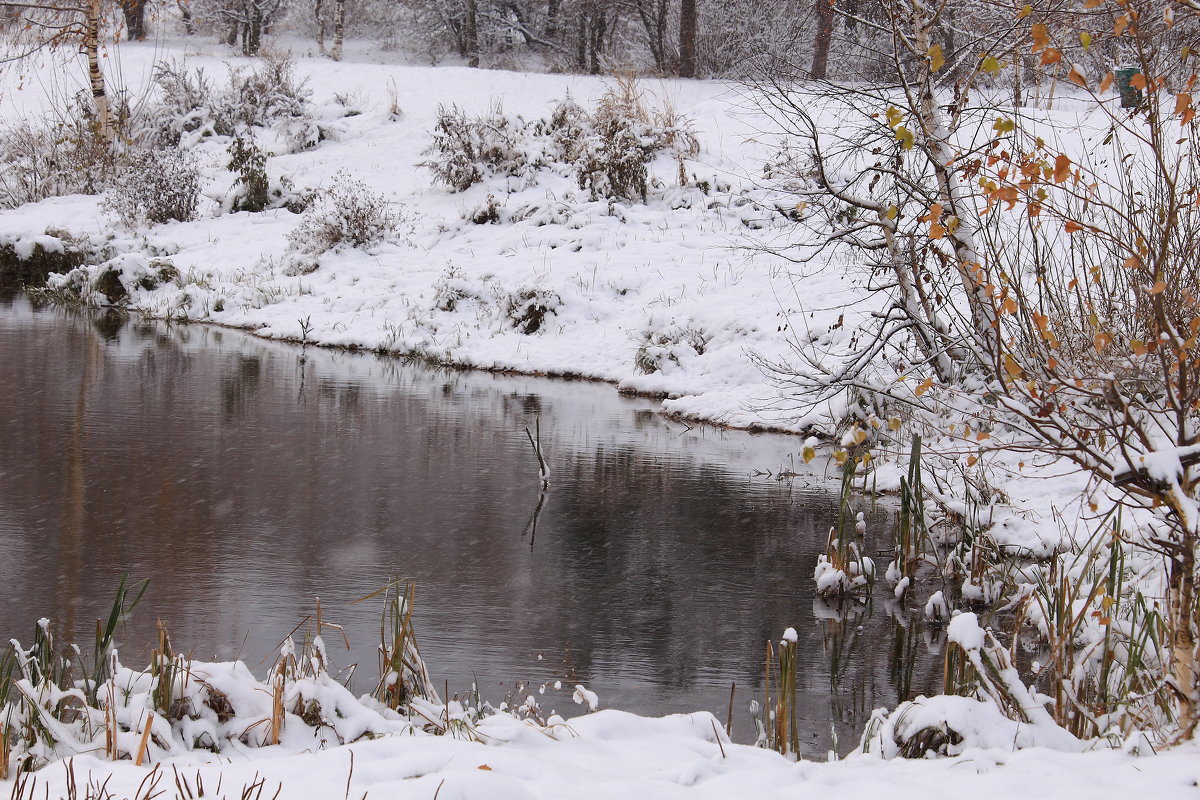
point(189, 24)
point(1182, 619)
point(134, 12)
point(252, 33)
point(471, 33)
point(91, 47)
point(687, 38)
point(821, 39)
point(319, 13)
point(552, 19)
point(339, 28)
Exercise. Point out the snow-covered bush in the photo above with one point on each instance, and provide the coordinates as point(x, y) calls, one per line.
point(190, 107)
point(466, 149)
point(672, 344)
point(609, 149)
point(40, 159)
point(526, 308)
point(347, 213)
point(111, 282)
point(252, 189)
point(26, 261)
point(621, 137)
point(158, 186)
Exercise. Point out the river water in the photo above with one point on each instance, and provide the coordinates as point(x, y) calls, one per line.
point(246, 478)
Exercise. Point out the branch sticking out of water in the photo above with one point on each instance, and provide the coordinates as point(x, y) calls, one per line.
point(536, 443)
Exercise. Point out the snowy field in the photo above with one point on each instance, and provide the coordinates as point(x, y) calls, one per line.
point(661, 298)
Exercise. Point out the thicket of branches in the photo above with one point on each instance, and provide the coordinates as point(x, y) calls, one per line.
point(1037, 283)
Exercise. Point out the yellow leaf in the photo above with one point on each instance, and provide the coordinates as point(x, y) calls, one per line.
point(1011, 366)
point(808, 454)
point(971, 461)
point(894, 116)
point(1004, 125)
point(860, 435)
point(936, 59)
point(925, 386)
point(894, 424)
point(990, 65)
point(893, 212)
point(1085, 39)
point(1138, 347)
point(1025, 12)
point(839, 456)
point(905, 137)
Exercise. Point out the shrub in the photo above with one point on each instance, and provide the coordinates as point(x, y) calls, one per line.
point(527, 308)
point(608, 149)
point(624, 137)
point(249, 163)
point(157, 187)
point(49, 159)
point(669, 345)
point(189, 107)
point(467, 149)
point(347, 213)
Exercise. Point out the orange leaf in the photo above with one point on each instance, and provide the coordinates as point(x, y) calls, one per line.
point(1075, 76)
point(1009, 306)
point(925, 386)
point(1138, 81)
point(1120, 24)
point(1051, 56)
point(1102, 341)
point(1041, 36)
point(1062, 168)
point(1072, 226)
point(1183, 101)
point(1159, 288)
point(1106, 82)
point(484, 767)
point(1093, 3)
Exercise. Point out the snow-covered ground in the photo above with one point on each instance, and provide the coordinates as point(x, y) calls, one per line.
point(673, 273)
point(661, 298)
point(611, 754)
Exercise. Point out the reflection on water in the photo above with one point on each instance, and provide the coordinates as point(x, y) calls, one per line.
point(246, 479)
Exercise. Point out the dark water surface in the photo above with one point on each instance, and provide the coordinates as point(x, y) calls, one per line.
point(245, 478)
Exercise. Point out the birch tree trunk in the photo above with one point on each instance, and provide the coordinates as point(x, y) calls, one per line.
point(91, 48)
point(339, 28)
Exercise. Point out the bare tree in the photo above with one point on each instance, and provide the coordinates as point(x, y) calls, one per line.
point(70, 24)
